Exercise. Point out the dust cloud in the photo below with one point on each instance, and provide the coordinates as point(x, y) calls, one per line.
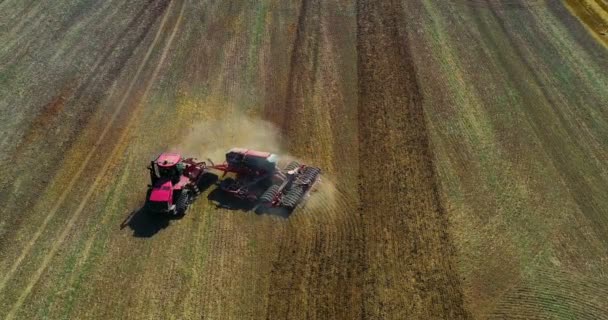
point(323, 196)
point(212, 138)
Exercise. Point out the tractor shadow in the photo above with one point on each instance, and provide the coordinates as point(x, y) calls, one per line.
point(223, 200)
point(145, 224)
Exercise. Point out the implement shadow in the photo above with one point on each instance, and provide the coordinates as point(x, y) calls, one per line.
point(224, 200)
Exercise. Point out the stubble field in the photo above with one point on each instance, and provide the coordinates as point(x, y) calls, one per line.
point(464, 145)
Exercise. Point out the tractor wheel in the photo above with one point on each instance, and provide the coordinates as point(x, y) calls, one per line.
point(292, 165)
point(183, 202)
point(270, 193)
point(196, 191)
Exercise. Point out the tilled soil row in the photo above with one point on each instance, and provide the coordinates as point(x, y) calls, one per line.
point(410, 269)
point(319, 266)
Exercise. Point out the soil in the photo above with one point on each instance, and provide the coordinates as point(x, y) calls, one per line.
point(463, 148)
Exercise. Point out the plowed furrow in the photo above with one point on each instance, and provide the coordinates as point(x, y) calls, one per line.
point(409, 250)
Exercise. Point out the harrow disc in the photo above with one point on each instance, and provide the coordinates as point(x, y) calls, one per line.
point(291, 198)
point(292, 165)
point(270, 193)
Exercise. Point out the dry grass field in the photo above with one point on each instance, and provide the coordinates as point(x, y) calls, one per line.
point(464, 145)
point(594, 14)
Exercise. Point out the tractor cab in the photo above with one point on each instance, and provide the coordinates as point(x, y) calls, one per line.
point(175, 183)
point(167, 166)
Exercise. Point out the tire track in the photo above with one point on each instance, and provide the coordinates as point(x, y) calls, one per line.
point(57, 243)
point(153, 78)
point(44, 119)
point(93, 150)
point(571, 174)
point(15, 46)
point(87, 95)
point(9, 19)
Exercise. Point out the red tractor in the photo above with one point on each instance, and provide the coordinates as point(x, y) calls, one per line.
point(258, 178)
point(175, 183)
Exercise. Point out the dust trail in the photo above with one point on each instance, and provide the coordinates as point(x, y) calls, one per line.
point(92, 151)
point(212, 138)
point(323, 196)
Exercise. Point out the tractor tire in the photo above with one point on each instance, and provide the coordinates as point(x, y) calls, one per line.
point(292, 165)
point(195, 191)
point(183, 202)
point(269, 194)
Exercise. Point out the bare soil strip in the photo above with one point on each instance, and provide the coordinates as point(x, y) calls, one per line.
point(318, 267)
point(411, 269)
